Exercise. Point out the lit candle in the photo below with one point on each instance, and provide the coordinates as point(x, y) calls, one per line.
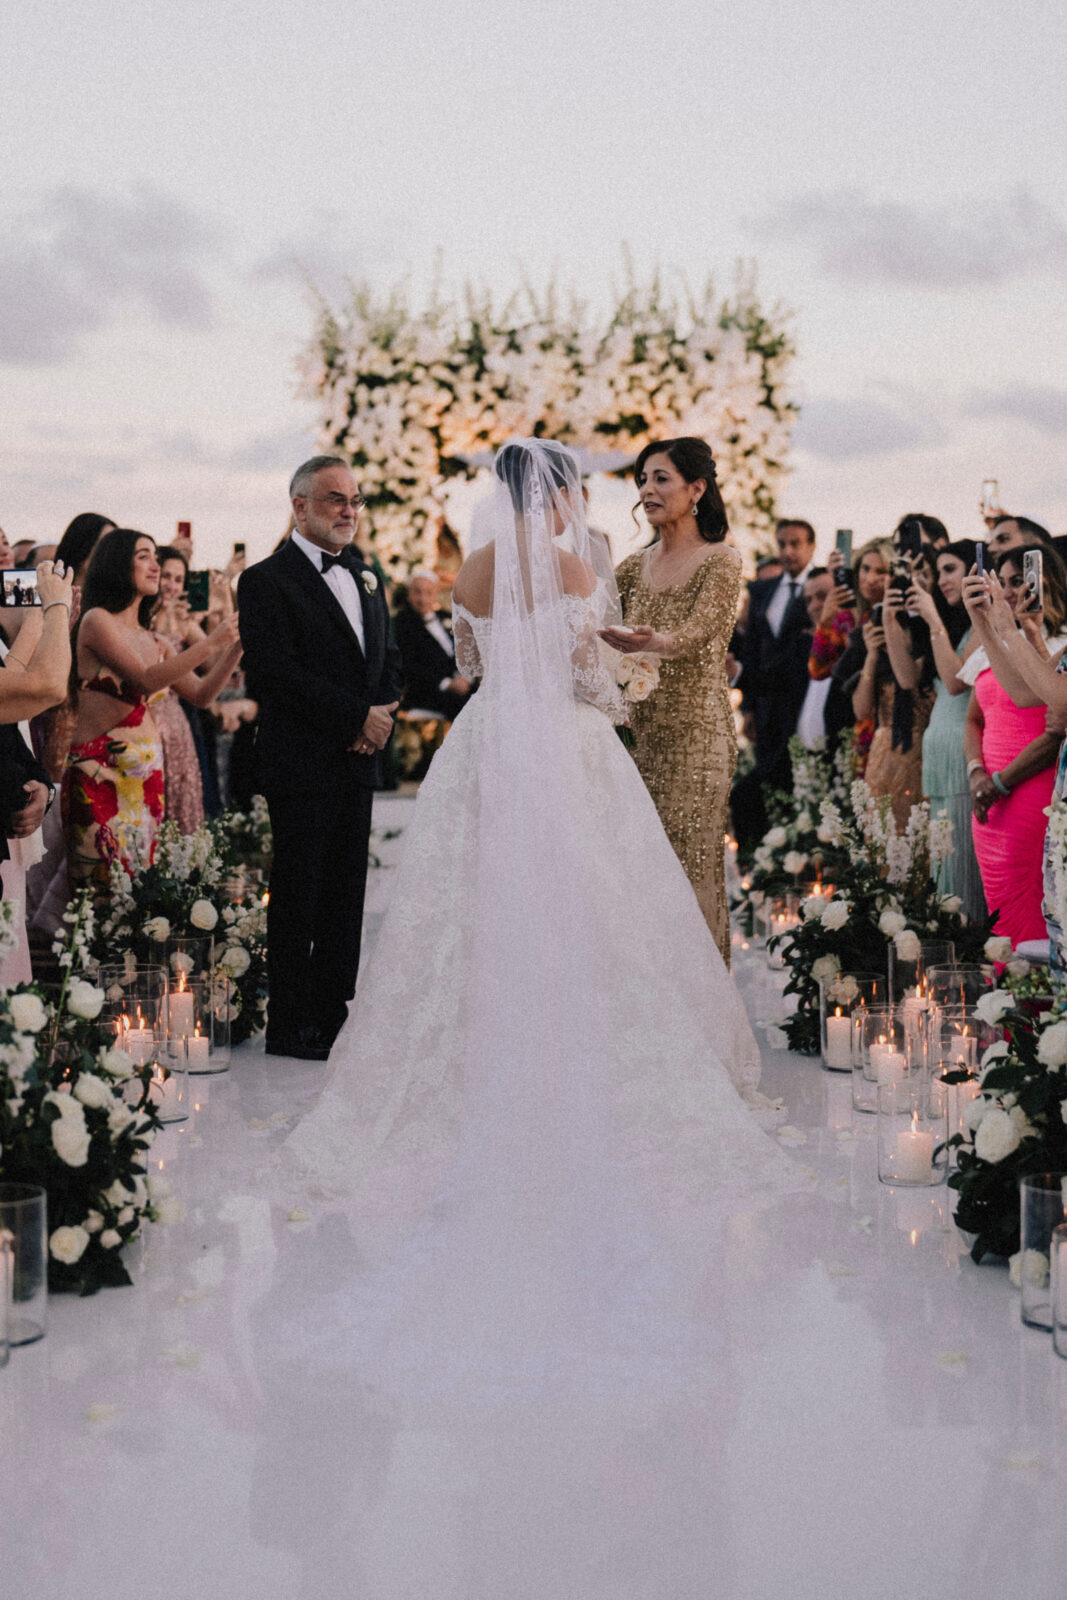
point(963, 1051)
point(199, 1050)
point(138, 1042)
point(166, 1095)
point(181, 1009)
point(887, 1064)
point(915, 1003)
point(915, 1153)
point(839, 1041)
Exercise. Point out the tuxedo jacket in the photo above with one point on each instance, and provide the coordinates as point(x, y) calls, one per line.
point(304, 666)
point(425, 662)
point(18, 765)
point(774, 673)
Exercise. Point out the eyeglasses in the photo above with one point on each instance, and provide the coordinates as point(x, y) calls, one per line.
point(338, 502)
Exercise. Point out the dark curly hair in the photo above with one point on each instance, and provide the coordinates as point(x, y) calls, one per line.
point(693, 459)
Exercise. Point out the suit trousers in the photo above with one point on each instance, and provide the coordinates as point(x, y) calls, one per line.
point(318, 881)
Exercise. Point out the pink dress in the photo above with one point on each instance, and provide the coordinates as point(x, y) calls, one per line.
point(1010, 843)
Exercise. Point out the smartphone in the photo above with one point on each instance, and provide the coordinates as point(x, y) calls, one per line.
point(990, 497)
point(901, 579)
point(910, 537)
point(979, 558)
point(1033, 580)
point(20, 587)
point(876, 614)
point(238, 551)
point(198, 590)
point(843, 572)
point(185, 531)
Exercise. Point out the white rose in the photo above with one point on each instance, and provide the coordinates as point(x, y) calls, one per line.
point(891, 923)
point(828, 831)
point(776, 839)
point(998, 948)
point(84, 999)
point(203, 915)
point(640, 686)
point(370, 582)
point(825, 967)
point(951, 903)
point(118, 1195)
point(997, 1136)
point(1029, 1266)
point(157, 928)
point(907, 943)
point(994, 1005)
point(93, 1222)
point(843, 990)
point(236, 960)
point(835, 915)
point(118, 1064)
point(1052, 1046)
point(126, 1216)
point(110, 1238)
point(119, 1118)
point(973, 1113)
point(70, 1137)
point(93, 1092)
point(795, 862)
point(68, 1245)
point(1023, 1126)
point(1018, 968)
point(27, 1013)
point(994, 1053)
point(813, 907)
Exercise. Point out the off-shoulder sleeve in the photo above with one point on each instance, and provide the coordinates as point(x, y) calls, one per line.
point(715, 612)
point(468, 656)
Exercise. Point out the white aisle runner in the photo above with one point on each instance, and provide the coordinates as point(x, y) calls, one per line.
point(877, 1423)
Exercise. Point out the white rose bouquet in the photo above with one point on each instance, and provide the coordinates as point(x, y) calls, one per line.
point(637, 675)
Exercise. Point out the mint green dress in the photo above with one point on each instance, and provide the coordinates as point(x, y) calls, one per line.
point(945, 786)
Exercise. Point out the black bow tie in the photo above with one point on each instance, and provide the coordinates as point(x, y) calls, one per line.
point(344, 558)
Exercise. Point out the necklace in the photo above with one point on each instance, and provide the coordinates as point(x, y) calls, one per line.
point(669, 570)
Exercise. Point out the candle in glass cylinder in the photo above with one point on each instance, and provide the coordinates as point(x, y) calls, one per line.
point(915, 1153)
point(181, 1009)
point(887, 1063)
point(166, 1095)
point(199, 1049)
point(839, 1041)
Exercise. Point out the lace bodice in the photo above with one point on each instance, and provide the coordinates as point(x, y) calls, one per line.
point(592, 673)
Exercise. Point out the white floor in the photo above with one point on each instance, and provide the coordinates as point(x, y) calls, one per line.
point(880, 1425)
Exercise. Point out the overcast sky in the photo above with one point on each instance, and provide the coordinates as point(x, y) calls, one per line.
point(173, 172)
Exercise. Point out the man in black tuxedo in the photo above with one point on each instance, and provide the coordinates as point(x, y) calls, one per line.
point(315, 629)
point(424, 639)
point(770, 695)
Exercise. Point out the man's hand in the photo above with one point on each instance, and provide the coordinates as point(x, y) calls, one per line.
point(376, 730)
point(29, 819)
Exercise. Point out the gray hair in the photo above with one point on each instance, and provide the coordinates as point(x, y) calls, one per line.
point(424, 572)
point(303, 477)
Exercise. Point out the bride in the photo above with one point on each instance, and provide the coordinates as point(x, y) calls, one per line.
point(540, 1090)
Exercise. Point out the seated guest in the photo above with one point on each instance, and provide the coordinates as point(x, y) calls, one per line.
point(423, 637)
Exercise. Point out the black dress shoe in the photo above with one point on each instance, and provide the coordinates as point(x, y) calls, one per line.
point(306, 1044)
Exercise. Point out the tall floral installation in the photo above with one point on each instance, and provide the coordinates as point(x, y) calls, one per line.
point(408, 395)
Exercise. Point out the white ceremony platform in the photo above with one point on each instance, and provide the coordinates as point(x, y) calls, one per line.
point(878, 1424)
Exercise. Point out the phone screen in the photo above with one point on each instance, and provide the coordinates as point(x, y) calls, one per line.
point(910, 537)
point(979, 559)
point(19, 587)
point(843, 541)
point(198, 589)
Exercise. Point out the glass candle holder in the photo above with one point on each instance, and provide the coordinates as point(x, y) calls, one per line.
point(223, 1011)
point(191, 956)
point(910, 977)
point(24, 1222)
point(169, 1090)
point(912, 1152)
point(189, 1017)
point(781, 915)
point(1042, 1207)
point(958, 984)
point(7, 1272)
point(840, 998)
point(1058, 1265)
point(958, 1096)
point(135, 1009)
point(878, 1053)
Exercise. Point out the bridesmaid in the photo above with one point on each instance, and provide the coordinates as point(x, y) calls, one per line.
point(679, 597)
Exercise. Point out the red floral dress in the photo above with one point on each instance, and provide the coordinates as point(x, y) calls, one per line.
point(113, 793)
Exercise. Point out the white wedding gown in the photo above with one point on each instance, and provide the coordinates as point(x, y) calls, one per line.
point(533, 1128)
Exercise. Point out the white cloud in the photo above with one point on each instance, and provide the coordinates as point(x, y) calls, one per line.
point(867, 242)
point(1042, 408)
point(844, 429)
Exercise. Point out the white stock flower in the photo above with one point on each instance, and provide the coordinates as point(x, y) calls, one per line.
point(991, 1007)
point(891, 923)
point(829, 829)
point(27, 1013)
point(110, 1238)
point(907, 945)
point(1052, 1046)
point(84, 999)
point(68, 1245)
point(794, 862)
point(825, 967)
point(93, 1092)
point(997, 1136)
point(835, 915)
point(157, 928)
point(203, 915)
point(804, 823)
point(776, 838)
point(998, 948)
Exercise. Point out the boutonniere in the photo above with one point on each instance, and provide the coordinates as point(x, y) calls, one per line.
point(446, 623)
point(370, 582)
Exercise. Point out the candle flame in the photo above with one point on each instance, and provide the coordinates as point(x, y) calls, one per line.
point(837, 1013)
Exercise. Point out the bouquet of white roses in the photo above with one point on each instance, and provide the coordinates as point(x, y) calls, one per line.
point(637, 675)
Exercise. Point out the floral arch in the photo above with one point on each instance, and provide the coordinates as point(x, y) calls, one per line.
point(412, 396)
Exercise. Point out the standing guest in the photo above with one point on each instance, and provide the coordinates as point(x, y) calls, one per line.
point(80, 538)
point(54, 731)
point(169, 619)
point(776, 617)
point(20, 552)
point(320, 664)
point(427, 652)
point(1012, 533)
point(1010, 752)
point(826, 710)
point(113, 795)
point(680, 599)
point(837, 648)
point(932, 530)
point(944, 769)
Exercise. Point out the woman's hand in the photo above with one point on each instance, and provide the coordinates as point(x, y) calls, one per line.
point(1032, 624)
point(873, 637)
point(921, 601)
point(227, 635)
point(839, 599)
point(55, 584)
point(634, 639)
point(976, 597)
point(983, 792)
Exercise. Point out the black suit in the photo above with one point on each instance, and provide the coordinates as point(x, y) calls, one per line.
point(18, 766)
point(315, 687)
point(773, 683)
point(426, 664)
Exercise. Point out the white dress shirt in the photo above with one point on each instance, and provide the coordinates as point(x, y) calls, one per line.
point(811, 724)
point(341, 581)
point(779, 601)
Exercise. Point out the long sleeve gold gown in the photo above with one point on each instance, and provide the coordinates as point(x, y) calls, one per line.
point(685, 744)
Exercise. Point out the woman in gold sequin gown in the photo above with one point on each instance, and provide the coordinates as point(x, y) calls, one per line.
point(680, 598)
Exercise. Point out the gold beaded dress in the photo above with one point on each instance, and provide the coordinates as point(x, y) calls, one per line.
point(685, 743)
